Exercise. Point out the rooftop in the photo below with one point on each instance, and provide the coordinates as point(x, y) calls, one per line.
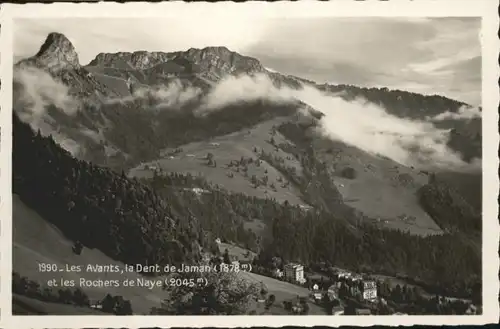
point(293, 265)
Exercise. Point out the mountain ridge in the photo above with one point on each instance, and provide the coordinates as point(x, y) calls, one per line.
point(147, 59)
point(57, 43)
point(117, 75)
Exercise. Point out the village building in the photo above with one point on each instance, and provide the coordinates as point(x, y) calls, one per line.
point(198, 191)
point(344, 275)
point(369, 290)
point(317, 296)
point(295, 272)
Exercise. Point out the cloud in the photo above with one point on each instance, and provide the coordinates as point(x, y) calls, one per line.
point(463, 113)
point(173, 95)
point(35, 92)
point(38, 89)
point(440, 55)
point(358, 123)
point(437, 65)
point(243, 88)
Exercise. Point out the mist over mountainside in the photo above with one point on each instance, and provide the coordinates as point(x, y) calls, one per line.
point(157, 78)
point(279, 159)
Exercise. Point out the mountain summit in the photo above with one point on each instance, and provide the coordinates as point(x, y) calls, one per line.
point(221, 60)
point(218, 61)
point(57, 52)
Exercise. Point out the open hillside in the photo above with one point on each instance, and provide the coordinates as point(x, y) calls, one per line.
point(37, 241)
point(149, 157)
point(233, 162)
point(261, 162)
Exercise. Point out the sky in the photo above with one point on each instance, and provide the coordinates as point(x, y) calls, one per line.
point(424, 55)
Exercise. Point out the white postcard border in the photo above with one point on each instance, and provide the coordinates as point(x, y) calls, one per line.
point(486, 9)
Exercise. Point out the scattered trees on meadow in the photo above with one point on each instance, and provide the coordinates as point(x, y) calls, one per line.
point(226, 293)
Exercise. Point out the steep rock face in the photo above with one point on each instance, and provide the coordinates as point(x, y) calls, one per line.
point(139, 60)
point(217, 61)
point(59, 58)
point(57, 52)
point(222, 61)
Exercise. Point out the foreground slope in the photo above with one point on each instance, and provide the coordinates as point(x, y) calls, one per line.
point(73, 200)
point(36, 241)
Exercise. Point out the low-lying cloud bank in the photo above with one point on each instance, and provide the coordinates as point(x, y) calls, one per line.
point(35, 90)
point(463, 113)
point(357, 123)
point(172, 95)
point(38, 90)
point(244, 88)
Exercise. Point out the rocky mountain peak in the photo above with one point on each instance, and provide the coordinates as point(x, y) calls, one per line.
point(216, 50)
point(218, 60)
point(139, 60)
point(223, 61)
point(57, 52)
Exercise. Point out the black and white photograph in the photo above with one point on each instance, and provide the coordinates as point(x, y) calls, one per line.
point(235, 162)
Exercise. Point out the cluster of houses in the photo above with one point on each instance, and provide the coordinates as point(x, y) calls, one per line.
point(341, 287)
point(358, 286)
point(362, 289)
